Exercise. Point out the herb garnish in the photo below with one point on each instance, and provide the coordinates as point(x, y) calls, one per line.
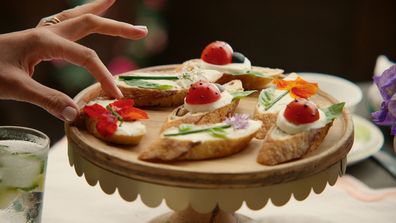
point(146, 84)
point(267, 99)
point(241, 94)
point(118, 116)
point(333, 111)
point(154, 77)
point(217, 131)
point(250, 73)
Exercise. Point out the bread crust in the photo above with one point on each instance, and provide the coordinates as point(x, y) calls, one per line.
point(267, 118)
point(251, 82)
point(154, 97)
point(168, 149)
point(290, 147)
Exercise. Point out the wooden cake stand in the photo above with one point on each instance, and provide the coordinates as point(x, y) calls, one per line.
point(210, 190)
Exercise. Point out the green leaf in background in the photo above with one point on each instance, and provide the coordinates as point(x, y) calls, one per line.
point(146, 84)
point(241, 94)
point(333, 111)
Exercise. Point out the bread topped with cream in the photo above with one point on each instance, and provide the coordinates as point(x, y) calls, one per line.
point(198, 142)
point(115, 121)
point(207, 103)
point(274, 98)
point(219, 56)
point(163, 89)
point(300, 128)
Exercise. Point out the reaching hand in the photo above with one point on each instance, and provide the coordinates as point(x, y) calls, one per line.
point(21, 51)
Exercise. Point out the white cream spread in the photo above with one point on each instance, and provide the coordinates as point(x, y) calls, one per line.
point(127, 128)
point(225, 99)
point(291, 128)
point(228, 68)
point(231, 133)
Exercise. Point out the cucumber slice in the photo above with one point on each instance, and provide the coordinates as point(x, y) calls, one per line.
point(20, 171)
point(7, 196)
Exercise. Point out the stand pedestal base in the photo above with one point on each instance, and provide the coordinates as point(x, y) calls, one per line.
point(191, 216)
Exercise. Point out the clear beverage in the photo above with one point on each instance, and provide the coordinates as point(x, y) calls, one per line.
point(23, 157)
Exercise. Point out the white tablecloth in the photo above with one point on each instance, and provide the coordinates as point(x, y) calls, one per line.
point(69, 199)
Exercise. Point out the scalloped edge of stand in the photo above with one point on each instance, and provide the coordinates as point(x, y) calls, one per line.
point(203, 200)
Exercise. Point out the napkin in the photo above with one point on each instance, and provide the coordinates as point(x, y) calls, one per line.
point(68, 198)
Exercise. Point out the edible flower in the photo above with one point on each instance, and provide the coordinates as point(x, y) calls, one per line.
point(298, 88)
point(386, 84)
point(238, 121)
point(106, 118)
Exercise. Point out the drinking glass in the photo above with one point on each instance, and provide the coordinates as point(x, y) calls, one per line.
point(23, 159)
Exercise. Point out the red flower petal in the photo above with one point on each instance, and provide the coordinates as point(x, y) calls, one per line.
point(122, 104)
point(107, 126)
point(95, 111)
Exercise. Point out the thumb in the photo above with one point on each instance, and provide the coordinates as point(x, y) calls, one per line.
point(55, 102)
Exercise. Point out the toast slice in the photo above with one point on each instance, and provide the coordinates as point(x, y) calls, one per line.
point(103, 124)
point(289, 141)
point(252, 78)
point(213, 141)
point(162, 89)
point(182, 116)
point(280, 147)
point(269, 103)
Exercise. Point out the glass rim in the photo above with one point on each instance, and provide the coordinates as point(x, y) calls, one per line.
point(41, 134)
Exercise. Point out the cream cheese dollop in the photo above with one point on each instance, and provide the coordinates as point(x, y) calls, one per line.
point(225, 99)
point(291, 128)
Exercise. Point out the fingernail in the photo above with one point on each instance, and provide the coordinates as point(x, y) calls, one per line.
point(119, 94)
point(69, 114)
point(143, 28)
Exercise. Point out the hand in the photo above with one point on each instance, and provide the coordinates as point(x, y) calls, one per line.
point(21, 51)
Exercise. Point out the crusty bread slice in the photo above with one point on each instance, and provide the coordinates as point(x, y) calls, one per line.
point(251, 82)
point(199, 146)
point(268, 117)
point(180, 115)
point(119, 137)
point(279, 147)
point(153, 97)
point(163, 98)
point(127, 132)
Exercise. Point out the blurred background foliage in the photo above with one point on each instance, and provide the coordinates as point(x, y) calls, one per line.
point(337, 37)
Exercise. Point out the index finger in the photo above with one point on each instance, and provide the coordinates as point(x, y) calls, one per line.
point(96, 7)
point(57, 47)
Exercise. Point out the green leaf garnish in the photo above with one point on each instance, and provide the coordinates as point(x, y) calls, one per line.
point(218, 132)
point(333, 111)
point(250, 73)
point(192, 131)
point(146, 84)
point(185, 127)
point(241, 94)
point(154, 77)
point(267, 97)
point(118, 116)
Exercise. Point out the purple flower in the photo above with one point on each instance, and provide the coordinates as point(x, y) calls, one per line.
point(238, 121)
point(386, 84)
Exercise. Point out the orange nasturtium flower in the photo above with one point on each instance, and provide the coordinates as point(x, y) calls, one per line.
point(106, 118)
point(298, 88)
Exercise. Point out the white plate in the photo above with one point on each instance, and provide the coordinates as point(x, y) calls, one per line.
point(340, 88)
point(368, 140)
